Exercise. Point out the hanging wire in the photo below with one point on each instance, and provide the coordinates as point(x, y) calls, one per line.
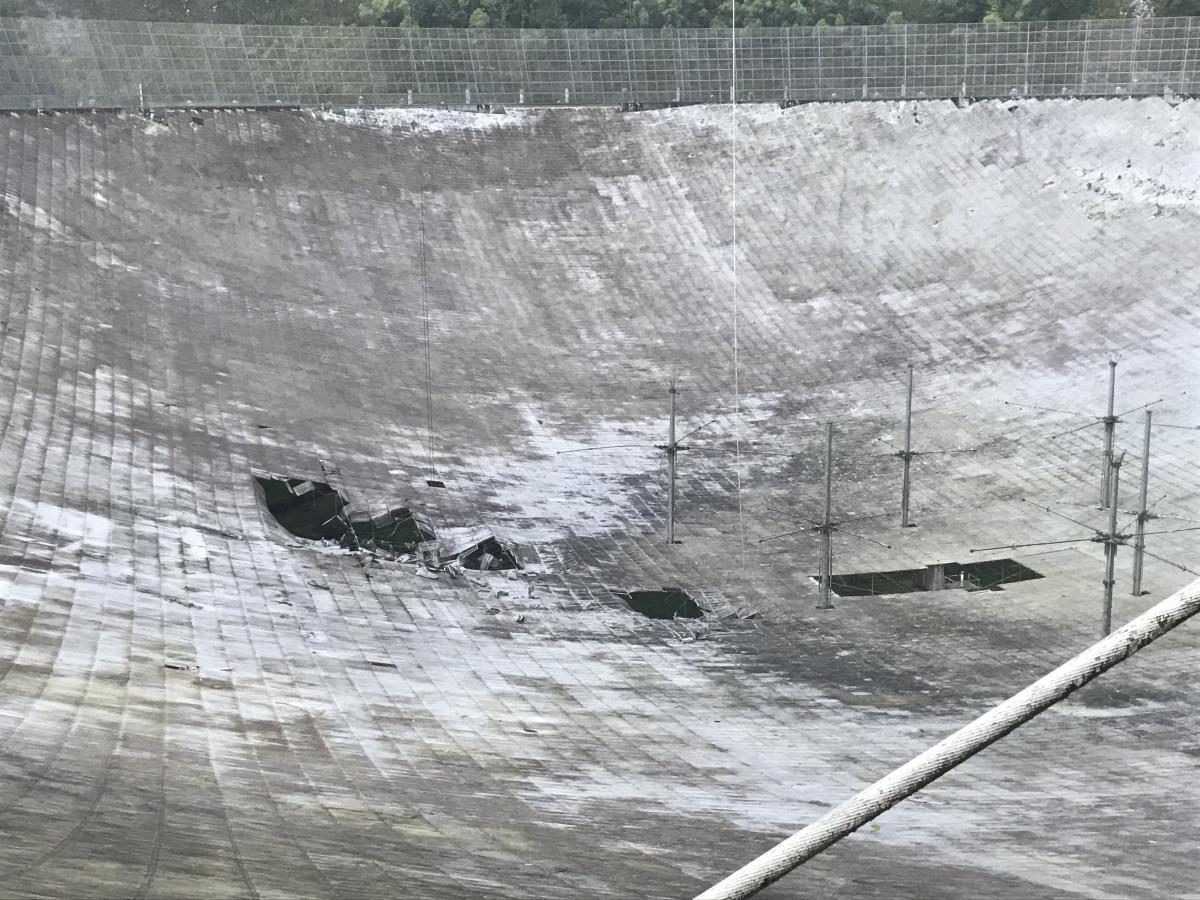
point(1169, 562)
point(1143, 406)
point(1173, 530)
point(425, 301)
point(694, 430)
point(785, 534)
point(863, 537)
point(1128, 523)
point(1056, 513)
point(1048, 552)
point(1096, 420)
point(602, 447)
point(1034, 544)
point(1065, 412)
point(737, 411)
point(1055, 437)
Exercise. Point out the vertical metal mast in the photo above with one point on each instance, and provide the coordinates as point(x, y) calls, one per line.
point(1143, 515)
point(1111, 541)
point(827, 526)
point(906, 454)
point(1110, 428)
point(672, 449)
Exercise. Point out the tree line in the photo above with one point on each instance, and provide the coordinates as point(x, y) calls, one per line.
point(597, 13)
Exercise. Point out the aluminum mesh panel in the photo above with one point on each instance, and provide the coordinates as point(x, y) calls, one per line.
point(550, 67)
point(704, 64)
point(884, 62)
point(73, 63)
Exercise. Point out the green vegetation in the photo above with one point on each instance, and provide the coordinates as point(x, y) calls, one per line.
point(596, 13)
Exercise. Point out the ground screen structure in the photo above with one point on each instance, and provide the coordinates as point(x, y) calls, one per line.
point(84, 64)
point(308, 587)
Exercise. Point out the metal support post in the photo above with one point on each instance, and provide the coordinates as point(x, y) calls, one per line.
point(1143, 515)
point(826, 569)
point(672, 449)
point(827, 526)
point(1111, 541)
point(906, 454)
point(1110, 428)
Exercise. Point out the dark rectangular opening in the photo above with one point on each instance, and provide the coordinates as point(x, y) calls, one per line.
point(986, 575)
point(669, 603)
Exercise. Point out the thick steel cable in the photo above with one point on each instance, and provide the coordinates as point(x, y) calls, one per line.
point(958, 747)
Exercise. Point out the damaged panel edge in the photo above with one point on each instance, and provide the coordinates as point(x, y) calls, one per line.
point(668, 603)
point(985, 575)
point(315, 510)
point(475, 548)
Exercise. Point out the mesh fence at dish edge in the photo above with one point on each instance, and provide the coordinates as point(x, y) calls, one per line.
point(66, 63)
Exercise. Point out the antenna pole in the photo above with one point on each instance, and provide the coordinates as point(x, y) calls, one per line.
point(906, 454)
point(827, 526)
point(672, 449)
point(1111, 540)
point(1110, 427)
point(1139, 541)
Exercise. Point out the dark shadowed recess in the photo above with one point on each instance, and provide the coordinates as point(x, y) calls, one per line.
point(987, 575)
point(316, 511)
point(489, 555)
point(669, 603)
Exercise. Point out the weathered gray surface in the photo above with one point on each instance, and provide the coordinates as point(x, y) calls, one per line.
point(170, 290)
